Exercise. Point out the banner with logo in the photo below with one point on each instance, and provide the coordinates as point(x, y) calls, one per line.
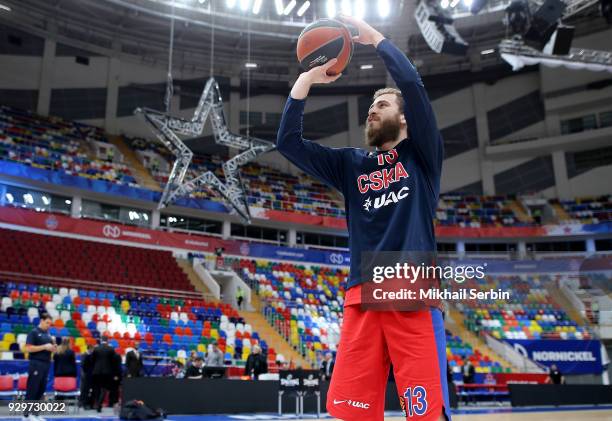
point(192, 242)
point(570, 356)
point(303, 255)
point(524, 378)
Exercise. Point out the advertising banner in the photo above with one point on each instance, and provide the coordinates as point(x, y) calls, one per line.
point(193, 242)
point(570, 356)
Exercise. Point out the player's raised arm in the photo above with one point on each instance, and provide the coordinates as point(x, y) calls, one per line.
point(422, 126)
point(320, 161)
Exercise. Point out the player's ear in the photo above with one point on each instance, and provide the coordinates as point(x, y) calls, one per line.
point(402, 118)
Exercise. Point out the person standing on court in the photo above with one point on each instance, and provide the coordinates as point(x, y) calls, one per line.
point(86, 395)
point(390, 195)
point(133, 362)
point(327, 366)
point(256, 363)
point(555, 376)
point(103, 372)
point(39, 345)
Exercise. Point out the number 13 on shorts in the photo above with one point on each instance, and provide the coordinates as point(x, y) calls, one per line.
point(415, 399)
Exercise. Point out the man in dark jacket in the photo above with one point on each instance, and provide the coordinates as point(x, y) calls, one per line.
point(468, 371)
point(103, 371)
point(195, 370)
point(256, 363)
point(86, 378)
point(113, 396)
point(327, 366)
point(133, 362)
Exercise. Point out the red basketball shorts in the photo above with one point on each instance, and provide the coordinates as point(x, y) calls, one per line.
point(370, 341)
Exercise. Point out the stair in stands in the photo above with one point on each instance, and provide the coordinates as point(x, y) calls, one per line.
point(455, 325)
point(560, 213)
point(87, 149)
point(259, 323)
point(559, 297)
point(140, 173)
point(195, 280)
point(520, 212)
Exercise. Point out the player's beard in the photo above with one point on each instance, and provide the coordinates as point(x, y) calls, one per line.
point(387, 131)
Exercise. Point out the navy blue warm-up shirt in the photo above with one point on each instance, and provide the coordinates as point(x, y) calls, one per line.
point(390, 196)
point(39, 337)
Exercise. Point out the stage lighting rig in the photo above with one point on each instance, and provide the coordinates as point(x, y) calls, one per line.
point(518, 17)
point(438, 30)
point(518, 55)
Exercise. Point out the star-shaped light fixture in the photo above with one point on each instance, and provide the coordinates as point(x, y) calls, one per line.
point(167, 128)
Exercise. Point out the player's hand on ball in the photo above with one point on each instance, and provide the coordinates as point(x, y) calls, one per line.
point(319, 74)
point(367, 34)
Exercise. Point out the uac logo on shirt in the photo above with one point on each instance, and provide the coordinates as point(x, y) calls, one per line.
point(386, 198)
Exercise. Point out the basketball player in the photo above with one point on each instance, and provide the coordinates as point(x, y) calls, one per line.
point(405, 167)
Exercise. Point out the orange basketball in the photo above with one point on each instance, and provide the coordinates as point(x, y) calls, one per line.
point(322, 41)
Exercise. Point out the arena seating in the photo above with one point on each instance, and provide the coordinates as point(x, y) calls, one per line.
point(304, 304)
point(529, 314)
point(163, 326)
point(272, 189)
point(110, 264)
point(591, 210)
point(55, 144)
point(476, 211)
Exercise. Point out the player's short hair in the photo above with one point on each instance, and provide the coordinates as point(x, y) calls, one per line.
point(45, 316)
point(398, 96)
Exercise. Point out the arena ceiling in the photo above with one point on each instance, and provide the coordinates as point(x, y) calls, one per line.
point(141, 29)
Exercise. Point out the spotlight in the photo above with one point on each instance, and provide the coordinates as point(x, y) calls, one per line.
point(384, 8)
point(544, 22)
point(250, 65)
point(360, 9)
point(437, 28)
point(230, 3)
point(257, 7)
point(289, 7)
point(279, 6)
point(5, 8)
point(444, 4)
point(489, 51)
point(346, 8)
point(303, 8)
point(68, 202)
point(331, 8)
point(28, 198)
point(244, 5)
point(518, 17)
point(366, 66)
point(45, 200)
point(467, 3)
point(9, 198)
